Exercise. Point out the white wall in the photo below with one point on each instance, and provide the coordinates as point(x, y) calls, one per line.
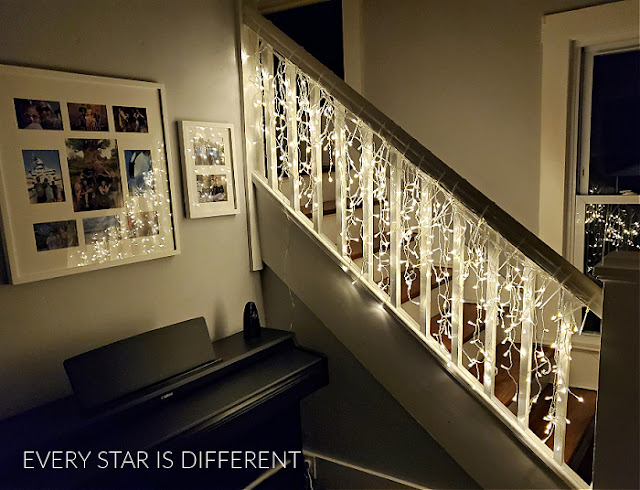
point(190, 47)
point(464, 78)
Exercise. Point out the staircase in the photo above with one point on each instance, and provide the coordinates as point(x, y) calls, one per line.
point(491, 303)
point(579, 436)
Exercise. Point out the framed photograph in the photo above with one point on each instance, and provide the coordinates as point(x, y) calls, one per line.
point(44, 176)
point(130, 119)
point(210, 187)
point(91, 187)
point(38, 114)
point(94, 172)
point(88, 117)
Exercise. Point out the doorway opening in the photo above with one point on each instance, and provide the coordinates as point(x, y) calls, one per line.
point(318, 29)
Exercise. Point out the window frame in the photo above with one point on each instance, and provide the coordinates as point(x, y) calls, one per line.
point(575, 218)
point(564, 36)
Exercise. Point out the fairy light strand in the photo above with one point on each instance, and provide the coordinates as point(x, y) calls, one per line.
point(550, 308)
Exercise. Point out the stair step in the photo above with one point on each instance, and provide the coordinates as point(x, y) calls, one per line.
point(356, 248)
point(506, 383)
point(328, 207)
point(414, 292)
point(579, 435)
point(469, 313)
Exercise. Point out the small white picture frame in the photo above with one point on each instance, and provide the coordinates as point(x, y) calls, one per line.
point(209, 167)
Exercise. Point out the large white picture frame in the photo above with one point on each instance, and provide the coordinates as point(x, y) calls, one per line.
point(209, 169)
point(84, 176)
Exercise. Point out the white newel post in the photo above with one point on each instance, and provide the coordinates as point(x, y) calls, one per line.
point(253, 124)
point(617, 438)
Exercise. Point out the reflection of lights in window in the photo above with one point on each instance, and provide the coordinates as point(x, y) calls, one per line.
point(610, 227)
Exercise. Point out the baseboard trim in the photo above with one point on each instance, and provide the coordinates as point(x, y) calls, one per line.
point(313, 454)
point(267, 474)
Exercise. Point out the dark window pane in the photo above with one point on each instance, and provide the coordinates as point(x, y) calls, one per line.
point(614, 165)
point(591, 323)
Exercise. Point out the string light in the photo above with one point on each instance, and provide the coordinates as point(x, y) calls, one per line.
point(143, 227)
point(519, 295)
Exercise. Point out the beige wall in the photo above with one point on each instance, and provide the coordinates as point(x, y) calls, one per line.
point(464, 78)
point(190, 47)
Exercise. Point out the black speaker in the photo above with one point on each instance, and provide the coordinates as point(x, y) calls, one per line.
point(251, 321)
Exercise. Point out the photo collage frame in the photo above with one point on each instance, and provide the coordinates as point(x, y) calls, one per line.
point(84, 173)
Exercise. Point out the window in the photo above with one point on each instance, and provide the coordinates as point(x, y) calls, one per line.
point(565, 38)
point(607, 200)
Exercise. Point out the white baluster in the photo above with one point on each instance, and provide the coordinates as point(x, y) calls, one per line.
point(395, 196)
point(491, 318)
point(526, 345)
point(292, 133)
point(341, 178)
point(367, 202)
point(315, 138)
point(563, 358)
point(270, 117)
point(457, 300)
point(426, 254)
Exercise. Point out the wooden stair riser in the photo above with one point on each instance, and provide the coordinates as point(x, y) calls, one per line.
point(437, 302)
point(505, 387)
point(579, 435)
point(330, 226)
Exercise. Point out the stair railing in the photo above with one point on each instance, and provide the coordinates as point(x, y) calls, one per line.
point(488, 297)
